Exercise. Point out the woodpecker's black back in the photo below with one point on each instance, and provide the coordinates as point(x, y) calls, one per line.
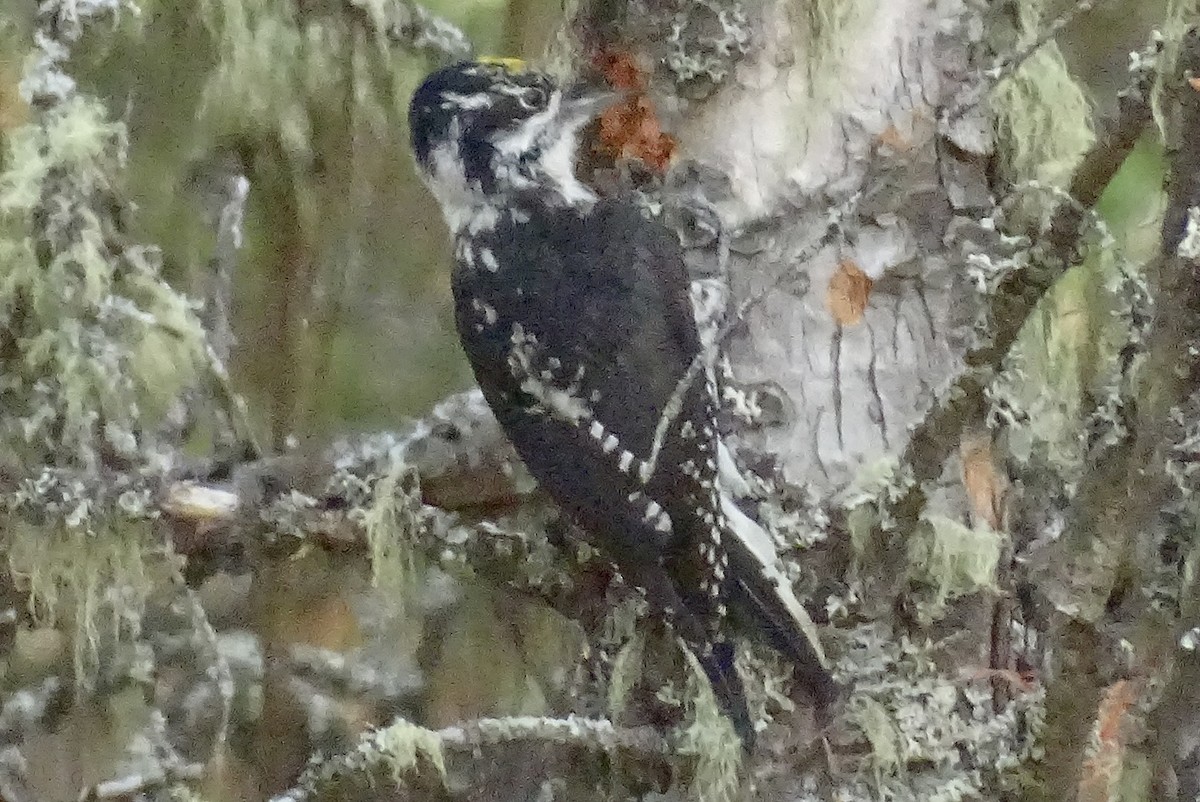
point(575, 314)
point(598, 298)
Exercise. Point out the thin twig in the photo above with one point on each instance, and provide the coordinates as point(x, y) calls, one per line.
point(219, 671)
point(1013, 61)
point(234, 405)
point(224, 259)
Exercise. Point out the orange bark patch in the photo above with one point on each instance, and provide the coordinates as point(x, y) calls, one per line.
point(986, 485)
point(1102, 769)
point(848, 292)
point(891, 137)
point(620, 70)
point(631, 129)
point(1194, 83)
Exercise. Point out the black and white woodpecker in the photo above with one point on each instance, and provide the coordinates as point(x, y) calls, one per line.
point(574, 311)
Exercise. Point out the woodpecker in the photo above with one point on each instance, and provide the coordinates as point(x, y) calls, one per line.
point(574, 312)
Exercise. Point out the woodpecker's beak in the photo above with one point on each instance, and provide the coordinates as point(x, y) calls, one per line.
point(581, 103)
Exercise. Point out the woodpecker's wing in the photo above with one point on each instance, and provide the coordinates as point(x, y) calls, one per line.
point(619, 299)
point(579, 329)
point(581, 321)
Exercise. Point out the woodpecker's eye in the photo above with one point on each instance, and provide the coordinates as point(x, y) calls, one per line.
point(531, 156)
point(534, 98)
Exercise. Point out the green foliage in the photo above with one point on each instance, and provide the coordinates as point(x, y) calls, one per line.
point(1133, 203)
point(1068, 351)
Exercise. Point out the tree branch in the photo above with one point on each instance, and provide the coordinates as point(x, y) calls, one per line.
point(404, 751)
point(1123, 494)
point(1015, 297)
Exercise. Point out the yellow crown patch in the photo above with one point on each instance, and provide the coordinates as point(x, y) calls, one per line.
point(510, 64)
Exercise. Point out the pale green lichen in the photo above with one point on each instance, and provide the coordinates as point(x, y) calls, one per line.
point(401, 744)
point(98, 580)
point(1043, 118)
point(930, 736)
point(834, 37)
point(257, 83)
point(394, 752)
point(391, 523)
point(95, 348)
point(626, 671)
point(104, 343)
point(705, 41)
point(951, 560)
point(709, 738)
point(768, 678)
point(283, 74)
point(873, 720)
point(1180, 16)
point(865, 500)
point(621, 626)
point(180, 792)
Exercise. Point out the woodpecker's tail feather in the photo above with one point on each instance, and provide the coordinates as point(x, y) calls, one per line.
point(761, 592)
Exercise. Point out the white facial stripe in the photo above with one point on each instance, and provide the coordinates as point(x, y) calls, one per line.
point(447, 181)
point(556, 164)
point(525, 137)
point(468, 102)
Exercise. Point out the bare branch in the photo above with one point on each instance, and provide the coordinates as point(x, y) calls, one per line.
point(229, 241)
point(219, 673)
point(404, 749)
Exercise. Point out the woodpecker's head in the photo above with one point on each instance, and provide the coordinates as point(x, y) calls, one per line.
point(482, 132)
